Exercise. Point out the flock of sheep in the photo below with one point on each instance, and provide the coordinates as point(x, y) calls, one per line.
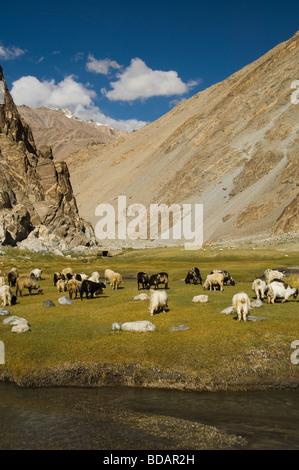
point(271, 286)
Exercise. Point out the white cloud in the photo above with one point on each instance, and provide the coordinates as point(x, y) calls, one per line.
point(30, 91)
point(10, 53)
point(101, 66)
point(66, 94)
point(138, 81)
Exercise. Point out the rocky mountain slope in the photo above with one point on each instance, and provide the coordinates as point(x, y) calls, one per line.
point(64, 133)
point(233, 147)
point(37, 204)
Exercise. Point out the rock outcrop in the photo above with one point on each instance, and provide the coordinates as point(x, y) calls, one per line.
point(36, 196)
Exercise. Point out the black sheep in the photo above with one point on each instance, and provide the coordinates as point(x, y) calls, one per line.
point(90, 287)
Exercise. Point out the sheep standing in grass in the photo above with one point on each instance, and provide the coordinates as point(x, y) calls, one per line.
point(12, 275)
point(67, 273)
point(213, 281)
point(241, 305)
point(6, 295)
point(95, 277)
point(280, 290)
point(271, 274)
point(115, 280)
point(107, 275)
point(158, 301)
point(27, 282)
point(36, 273)
point(73, 287)
point(61, 285)
point(92, 288)
point(57, 276)
point(259, 287)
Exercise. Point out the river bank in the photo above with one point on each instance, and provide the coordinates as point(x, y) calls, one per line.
point(136, 376)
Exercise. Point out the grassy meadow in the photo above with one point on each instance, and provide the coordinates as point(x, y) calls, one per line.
point(76, 344)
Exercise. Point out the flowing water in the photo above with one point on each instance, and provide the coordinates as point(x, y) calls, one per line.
point(81, 418)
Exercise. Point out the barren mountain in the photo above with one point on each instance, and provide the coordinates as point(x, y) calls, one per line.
point(233, 147)
point(64, 133)
point(37, 204)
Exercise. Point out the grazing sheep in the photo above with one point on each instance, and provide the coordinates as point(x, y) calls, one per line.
point(280, 290)
point(27, 282)
point(115, 280)
point(95, 277)
point(67, 271)
point(241, 305)
point(259, 287)
point(83, 276)
point(193, 275)
point(143, 279)
point(6, 295)
point(107, 274)
point(90, 287)
point(227, 279)
point(12, 275)
point(160, 278)
point(36, 273)
point(271, 274)
point(158, 302)
point(73, 286)
point(61, 285)
point(57, 276)
point(213, 281)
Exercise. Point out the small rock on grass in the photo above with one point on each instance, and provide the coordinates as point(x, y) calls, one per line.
point(4, 311)
point(65, 300)
point(48, 303)
point(179, 328)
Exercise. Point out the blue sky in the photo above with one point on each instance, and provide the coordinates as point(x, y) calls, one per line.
point(126, 63)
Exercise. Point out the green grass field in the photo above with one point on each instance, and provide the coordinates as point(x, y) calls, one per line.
point(76, 344)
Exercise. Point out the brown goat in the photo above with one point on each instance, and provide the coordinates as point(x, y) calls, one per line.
point(27, 282)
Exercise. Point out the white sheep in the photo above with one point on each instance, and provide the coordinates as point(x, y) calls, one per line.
point(259, 287)
point(158, 301)
point(95, 277)
point(36, 273)
point(241, 305)
point(115, 280)
point(281, 290)
point(6, 295)
point(107, 274)
point(61, 285)
point(271, 274)
point(214, 280)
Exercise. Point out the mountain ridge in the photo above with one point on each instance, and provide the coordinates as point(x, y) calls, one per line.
point(233, 147)
point(64, 132)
